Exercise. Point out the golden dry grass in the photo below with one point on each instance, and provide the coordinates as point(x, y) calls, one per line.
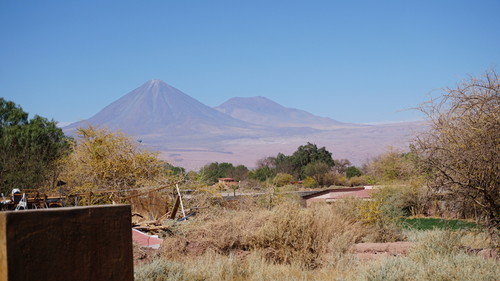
point(287, 234)
point(436, 256)
point(289, 242)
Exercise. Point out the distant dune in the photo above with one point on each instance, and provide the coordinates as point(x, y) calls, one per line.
point(190, 134)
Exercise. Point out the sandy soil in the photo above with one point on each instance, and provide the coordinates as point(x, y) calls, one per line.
point(373, 251)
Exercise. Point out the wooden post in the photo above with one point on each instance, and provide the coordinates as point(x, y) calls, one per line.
point(175, 208)
point(180, 198)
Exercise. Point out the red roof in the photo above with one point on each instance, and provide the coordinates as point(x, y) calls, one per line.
point(331, 191)
point(364, 194)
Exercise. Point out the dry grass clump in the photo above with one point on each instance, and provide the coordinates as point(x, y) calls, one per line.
point(293, 243)
point(287, 234)
point(476, 240)
point(437, 256)
point(253, 267)
point(222, 231)
point(306, 237)
point(438, 267)
point(215, 267)
point(469, 239)
point(379, 221)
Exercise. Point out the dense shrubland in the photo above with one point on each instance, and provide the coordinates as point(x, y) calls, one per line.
point(288, 242)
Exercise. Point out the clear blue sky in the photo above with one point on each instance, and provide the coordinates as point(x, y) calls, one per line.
point(353, 61)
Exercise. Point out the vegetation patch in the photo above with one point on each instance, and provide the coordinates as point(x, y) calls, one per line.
point(437, 223)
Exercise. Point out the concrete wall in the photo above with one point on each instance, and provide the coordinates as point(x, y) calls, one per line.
point(81, 243)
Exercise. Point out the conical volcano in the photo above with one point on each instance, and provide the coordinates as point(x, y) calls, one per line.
point(158, 108)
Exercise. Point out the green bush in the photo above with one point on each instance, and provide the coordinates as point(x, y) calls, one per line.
point(352, 171)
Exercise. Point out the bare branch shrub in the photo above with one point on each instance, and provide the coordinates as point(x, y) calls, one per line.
point(460, 152)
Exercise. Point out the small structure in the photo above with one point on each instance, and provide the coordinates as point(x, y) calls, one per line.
point(227, 181)
point(145, 240)
point(331, 195)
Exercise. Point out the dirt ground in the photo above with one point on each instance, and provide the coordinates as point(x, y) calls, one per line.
point(374, 251)
point(143, 254)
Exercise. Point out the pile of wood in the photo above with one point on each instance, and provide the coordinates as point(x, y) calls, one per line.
point(151, 226)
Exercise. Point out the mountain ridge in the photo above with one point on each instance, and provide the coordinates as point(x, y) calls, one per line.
point(263, 111)
point(190, 134)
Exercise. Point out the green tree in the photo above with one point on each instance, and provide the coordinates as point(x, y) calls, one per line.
point(29, 149)
point(284, 164)
point(310, 153)
point(240, 173)
point(213, 171)
point(352, 171)
point(174, 170)
point(295, 164)
point(317, 170)
point(262, 174)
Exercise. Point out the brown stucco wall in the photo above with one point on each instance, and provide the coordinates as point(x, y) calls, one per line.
point(80, 243)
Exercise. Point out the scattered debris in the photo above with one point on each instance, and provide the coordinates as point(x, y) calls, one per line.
point(29, 199)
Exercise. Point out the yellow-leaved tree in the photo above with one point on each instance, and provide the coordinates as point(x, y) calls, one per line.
point(109, 166)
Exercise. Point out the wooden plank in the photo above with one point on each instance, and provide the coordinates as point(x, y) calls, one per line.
point(180, 199)
point(176, 207)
